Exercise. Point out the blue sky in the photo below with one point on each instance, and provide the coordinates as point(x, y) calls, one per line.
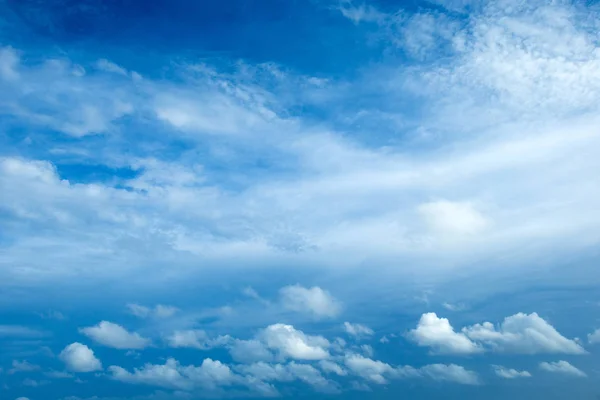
point(299, 199)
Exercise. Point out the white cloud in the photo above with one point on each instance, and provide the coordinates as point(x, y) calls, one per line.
point(191, 338)
point(266, 372)
point(451, 373)
point(288, 373)
point(292, 343)
point(520, 333)
point(438, 334)
point(209, 375)
point(80, 358)
point(594, 337)
point(379, 372)
point(374, 371)
point(315, 301)
point(523, 333)
point(562, 367)
point(21, 398)
point(195, 338)
point(113, 335)
point(510, 373)
point(357, 330)
point(454, 307)
point(330, 367)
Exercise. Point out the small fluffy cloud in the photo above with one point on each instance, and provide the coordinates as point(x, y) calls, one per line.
point(524, 334)
point(451, 373)
point(357, 330)
point(292, 343)
point(315, 301)
point(115, 336)
point(562, 367)
point(510, 373)
point(438, 334)
point(594, 337)
point(80, 358)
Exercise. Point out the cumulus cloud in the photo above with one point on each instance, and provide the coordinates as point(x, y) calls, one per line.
point(358, 330)
point(289, 342)
point(80, 358)
point(281, 342)
point(520, 333)
point(510, 373)
point(315, 301)
point(524, 334)
point(438, 334)
point(113, 335)
point(562, 367)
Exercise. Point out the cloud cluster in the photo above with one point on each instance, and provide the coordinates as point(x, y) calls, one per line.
point(520, 333)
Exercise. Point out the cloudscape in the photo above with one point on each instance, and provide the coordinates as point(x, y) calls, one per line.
point(299, 199)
